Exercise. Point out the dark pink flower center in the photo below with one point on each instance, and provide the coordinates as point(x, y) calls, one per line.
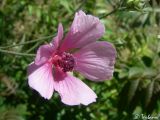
point(64, 61)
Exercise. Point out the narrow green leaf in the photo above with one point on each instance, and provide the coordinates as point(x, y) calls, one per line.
point(132, 89)
point(149, 93)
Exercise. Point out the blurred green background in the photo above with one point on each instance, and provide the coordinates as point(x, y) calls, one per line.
point(133, 26)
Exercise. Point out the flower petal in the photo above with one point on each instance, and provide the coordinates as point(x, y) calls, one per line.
point(96, 61)
point(84, 30)
point(72, 90)
point(40, 78)
point(58, 39)
point(43, 54)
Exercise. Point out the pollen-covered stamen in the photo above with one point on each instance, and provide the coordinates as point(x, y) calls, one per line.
point(64, 60)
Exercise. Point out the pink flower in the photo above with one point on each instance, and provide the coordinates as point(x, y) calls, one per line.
point(78, 51)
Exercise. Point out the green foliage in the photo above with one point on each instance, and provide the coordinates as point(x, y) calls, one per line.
point(132, 26)
point(13, 113)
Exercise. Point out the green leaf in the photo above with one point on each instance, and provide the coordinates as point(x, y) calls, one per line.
point(135, 71)
point(66, 5)
point(11, 113)
point(132, 89)
point(149, 93)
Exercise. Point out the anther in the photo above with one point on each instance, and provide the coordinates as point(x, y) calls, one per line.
point(64, 60)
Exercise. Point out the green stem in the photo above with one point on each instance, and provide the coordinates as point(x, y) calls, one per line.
point(28, 42)
point(113, 11)
point(16, 53)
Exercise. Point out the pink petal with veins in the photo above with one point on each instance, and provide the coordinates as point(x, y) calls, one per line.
point(85, 29)
point(96, 61)
point(43, 54)
point(72, 90)
point(40, 79)
point(56, 42)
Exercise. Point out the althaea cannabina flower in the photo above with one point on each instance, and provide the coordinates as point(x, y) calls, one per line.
point(78, 51)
